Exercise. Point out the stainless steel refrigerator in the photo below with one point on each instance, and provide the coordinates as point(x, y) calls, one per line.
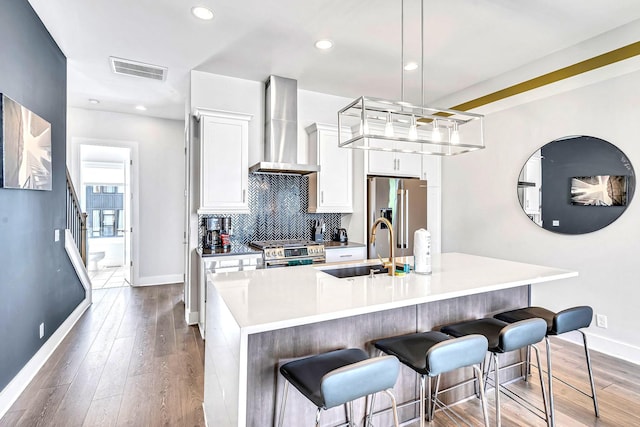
point(403, 201)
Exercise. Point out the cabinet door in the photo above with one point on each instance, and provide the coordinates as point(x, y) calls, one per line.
point(381, 162)
point(331, 189)
point(224, 164)
point(346, 254)
point(392, 163)
point(431, 170)
point(335, 180)
point(409, 164)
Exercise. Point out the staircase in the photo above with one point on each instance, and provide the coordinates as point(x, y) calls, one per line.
point(76, 220)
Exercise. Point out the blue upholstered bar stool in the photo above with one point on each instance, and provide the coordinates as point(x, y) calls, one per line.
point(571, 319)
point(339, 377)
point(433, 353)
point(503, 338)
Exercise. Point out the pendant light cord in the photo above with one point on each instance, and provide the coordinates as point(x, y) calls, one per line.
point(402, 50)
point(422, 50)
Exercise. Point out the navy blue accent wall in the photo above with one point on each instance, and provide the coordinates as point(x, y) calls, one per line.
point(37, 281)
point(573, 157)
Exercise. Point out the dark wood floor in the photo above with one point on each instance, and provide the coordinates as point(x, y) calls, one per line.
point(132, 360)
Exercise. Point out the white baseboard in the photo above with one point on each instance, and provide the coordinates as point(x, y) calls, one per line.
point(159, 280)
point(78, 264)
point(17, 385)
point(608, 346)
point(20, 382)
point(191, 317)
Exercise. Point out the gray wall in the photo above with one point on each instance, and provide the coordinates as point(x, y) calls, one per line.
point(37, 282)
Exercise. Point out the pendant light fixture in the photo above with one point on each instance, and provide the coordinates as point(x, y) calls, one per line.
point(400, 126)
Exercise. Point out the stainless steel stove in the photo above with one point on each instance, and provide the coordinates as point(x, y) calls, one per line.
point(287, 253)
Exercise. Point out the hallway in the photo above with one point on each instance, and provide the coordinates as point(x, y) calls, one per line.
point(130, 360)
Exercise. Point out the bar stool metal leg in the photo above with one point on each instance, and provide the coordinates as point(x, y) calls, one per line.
point(483, 400)
point(552, 411)
point(496, 374)
point(593, 385)
point(547, 412)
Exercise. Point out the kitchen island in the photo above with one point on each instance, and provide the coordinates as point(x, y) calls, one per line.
point(257, 320)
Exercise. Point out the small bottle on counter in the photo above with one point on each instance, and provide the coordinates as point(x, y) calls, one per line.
point(422, 251)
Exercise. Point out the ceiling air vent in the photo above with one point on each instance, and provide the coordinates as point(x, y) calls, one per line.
point(137, 69)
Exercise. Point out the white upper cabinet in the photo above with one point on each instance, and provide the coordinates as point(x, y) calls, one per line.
point(224, 162)
point(393, 164)
point(431, 170)
point(331, 189)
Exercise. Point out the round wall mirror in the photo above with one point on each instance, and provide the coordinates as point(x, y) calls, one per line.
point(576, 185)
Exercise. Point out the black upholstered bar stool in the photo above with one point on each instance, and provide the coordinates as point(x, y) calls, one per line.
point(503, 338)
point(433, 353)
point(571, 319)
point(339, 377)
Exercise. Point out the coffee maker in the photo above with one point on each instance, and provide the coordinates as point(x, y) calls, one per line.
point(216, 235)
point(211, 235)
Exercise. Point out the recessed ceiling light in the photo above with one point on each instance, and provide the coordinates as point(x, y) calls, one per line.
point(410, 66)
point(202, 12)
point(324, 44)
point(94, 101)
point(141, 108)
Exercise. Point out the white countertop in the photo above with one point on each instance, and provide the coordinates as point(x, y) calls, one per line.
point(264, 300)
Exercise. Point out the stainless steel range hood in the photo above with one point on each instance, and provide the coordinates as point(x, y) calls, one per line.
point(281, 130)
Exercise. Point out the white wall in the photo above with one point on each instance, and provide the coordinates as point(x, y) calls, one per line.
point(481, 214)
point(160, 145)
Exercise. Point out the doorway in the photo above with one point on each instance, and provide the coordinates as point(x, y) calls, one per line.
point(105, 189)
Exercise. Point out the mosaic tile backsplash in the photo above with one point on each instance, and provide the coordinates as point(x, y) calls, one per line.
point(278, 206)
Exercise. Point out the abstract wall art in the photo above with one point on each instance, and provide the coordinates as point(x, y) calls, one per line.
point(25, 148)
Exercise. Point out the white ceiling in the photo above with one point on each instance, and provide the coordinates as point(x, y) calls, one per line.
point(466, 43)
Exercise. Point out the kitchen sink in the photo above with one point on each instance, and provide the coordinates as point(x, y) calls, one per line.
point(353, 271)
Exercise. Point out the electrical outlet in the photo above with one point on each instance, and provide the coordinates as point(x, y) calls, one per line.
point(555, 223)
point(41, 330)
point(56, 235)
point(601, 321)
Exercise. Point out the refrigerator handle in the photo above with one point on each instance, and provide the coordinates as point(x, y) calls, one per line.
point(406, 220)
point(402, 234)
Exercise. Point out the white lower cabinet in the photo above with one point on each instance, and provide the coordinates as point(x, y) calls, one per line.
point(346, 254)
point(331, 189)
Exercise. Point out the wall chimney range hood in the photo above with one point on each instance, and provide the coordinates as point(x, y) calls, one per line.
point(281, 130)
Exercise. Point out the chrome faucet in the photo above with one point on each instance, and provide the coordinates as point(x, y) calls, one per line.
point(391, 264)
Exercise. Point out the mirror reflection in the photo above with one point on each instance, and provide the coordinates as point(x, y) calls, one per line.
point(576, 185)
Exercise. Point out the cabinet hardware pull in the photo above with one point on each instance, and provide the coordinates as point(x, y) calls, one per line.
point(346, 256)
point(244, 195)
point(322, 197)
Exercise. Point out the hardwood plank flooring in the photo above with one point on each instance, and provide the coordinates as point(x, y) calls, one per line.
point(132, 360)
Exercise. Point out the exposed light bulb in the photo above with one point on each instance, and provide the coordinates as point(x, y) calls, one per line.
point(413, 129)
point(455, 134)
point(436, 134)
point(388, 127)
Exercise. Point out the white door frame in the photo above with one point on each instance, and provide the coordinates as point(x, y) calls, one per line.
point(75, 170)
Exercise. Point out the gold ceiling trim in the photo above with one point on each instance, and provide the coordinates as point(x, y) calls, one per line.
point(590, 64)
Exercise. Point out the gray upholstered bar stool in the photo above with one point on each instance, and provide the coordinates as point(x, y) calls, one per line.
point(431, 354)
point(571, 319)
point(339, 377)
point(503, 338)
